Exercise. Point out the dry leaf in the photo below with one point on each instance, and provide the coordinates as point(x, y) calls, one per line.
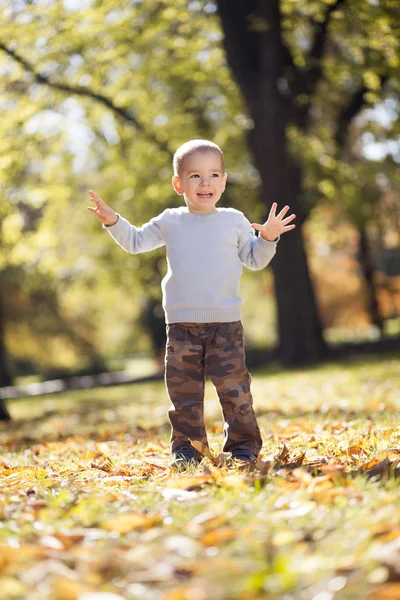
point(234, 481)
point(68, 589)
point(69, 540)
point(263, 466)
point(216, 537)
point(209, 520)
point(190, 483)
point(202, 448)
point(302, 476)
point(101, 596)
point(283, 456)
point(131, 521)
point(386, 591)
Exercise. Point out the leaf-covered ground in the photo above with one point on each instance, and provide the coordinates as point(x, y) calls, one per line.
point(91, 510)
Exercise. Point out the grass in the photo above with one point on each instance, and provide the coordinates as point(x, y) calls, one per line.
point(90, 505)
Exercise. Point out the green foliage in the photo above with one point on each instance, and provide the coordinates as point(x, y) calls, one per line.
point(99, 96)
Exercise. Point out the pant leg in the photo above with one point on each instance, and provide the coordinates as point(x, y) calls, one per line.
point(225, 365)
point(185, 378)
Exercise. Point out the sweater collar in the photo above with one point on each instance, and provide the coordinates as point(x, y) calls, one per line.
point(196, 215)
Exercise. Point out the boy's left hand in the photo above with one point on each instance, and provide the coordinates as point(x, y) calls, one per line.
point(276, 224)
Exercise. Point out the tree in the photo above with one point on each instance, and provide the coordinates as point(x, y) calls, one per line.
point(141, 78)
point(303, 68)
point(119, 74)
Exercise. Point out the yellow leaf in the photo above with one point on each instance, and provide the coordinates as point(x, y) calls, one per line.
point(68, 589)
point(12, 588)
point(103, 448)
point(202, 448)
point(210, 520)
point(131, 522)
point(178, 594)
point(189, 483)
point(386, 591)
point(320, 483)
point(302, 476)
point(234, 481)
point(216, 537)
point(69, 540)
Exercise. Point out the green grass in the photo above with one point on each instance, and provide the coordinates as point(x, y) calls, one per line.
point(89, 503)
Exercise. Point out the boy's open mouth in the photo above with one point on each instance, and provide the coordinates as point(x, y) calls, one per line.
point(205, 195)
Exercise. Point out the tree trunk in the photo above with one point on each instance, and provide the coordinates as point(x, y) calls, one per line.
point(367, 267)
point(260, 61)
point(5, 375)
point(300, 330)
point(299, 324)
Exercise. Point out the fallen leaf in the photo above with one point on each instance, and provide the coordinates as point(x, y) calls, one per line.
point(202, 448)
point(209, 520)
point(263, 466)
point(219, 536)
point(283, 456)
point(101, 596)
point(190, 483)
point(69, 540)
point(234, 481)
point(131, 521)
point(302, 476)
point(68, 589)
point(386, 591)
point(176, 494)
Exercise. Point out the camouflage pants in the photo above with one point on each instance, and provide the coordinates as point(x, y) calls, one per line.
point(195, 350)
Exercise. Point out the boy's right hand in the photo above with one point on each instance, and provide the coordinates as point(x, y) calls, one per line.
point(105, 214)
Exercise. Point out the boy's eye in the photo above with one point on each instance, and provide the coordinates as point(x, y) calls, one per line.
point(194, 175)
point(215, 175)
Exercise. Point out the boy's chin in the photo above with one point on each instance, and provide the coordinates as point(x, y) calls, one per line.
point(201, 206)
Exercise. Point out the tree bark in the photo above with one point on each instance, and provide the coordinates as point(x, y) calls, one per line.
point(260, 63)
point(5, 375)
point(299, 325)
point(368, 269)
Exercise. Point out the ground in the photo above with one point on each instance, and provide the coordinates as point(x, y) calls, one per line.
point(91, 509)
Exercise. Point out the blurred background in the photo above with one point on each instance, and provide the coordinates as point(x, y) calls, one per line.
point(303, 98)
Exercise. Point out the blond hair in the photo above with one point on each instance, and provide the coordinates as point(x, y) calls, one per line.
point(189, 148)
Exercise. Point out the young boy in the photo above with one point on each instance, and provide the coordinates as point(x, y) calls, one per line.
point(206, 247)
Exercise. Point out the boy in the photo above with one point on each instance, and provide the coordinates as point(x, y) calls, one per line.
point(206, 248)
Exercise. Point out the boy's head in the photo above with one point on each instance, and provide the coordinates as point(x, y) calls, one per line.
point(199, 174)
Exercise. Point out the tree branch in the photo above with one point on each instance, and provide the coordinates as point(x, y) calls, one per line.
point(86, 92)
point(254, 46)
point(321, 33)
point(350, 111)
point(241, 44)
point(307, 80)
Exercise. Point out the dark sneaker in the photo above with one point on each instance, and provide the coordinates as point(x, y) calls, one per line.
point(243, 455)
point(185, 457)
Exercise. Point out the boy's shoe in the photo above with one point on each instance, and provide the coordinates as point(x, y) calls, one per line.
point(243, 455)
point(185, 457)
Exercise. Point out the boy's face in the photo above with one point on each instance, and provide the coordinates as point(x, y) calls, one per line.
point(201, 180)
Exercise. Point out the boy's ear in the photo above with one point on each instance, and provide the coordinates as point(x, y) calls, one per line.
point(177, 185)
point(225, 177)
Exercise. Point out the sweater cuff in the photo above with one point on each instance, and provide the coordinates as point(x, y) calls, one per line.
point(110, 227)
point(265, 242)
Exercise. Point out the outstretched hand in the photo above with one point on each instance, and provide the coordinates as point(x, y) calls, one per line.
point(276, 224)
point(105, 214)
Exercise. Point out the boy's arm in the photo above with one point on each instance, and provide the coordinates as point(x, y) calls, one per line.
point(256, 253)
point(136, 239)
point(130, 238)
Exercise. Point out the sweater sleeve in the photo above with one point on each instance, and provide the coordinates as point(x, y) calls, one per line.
point(254, 252)
point(137, 239)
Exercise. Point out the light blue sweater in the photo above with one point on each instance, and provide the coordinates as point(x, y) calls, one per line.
point(205, 253)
